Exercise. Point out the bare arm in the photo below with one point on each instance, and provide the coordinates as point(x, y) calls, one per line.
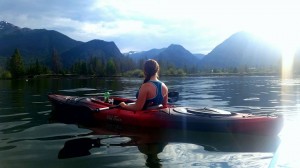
point(142, 97)
point(165, 95)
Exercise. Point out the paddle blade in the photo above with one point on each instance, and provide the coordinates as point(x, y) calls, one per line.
point(173, 96)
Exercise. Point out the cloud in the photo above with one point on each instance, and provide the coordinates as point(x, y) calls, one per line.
point(197, 25)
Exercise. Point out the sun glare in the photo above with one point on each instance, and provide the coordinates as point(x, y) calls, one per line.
point(288, 46)
point(287, 40)
point(287, 63)
point(276, 23)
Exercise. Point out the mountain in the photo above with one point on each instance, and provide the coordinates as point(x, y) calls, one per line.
point(33, 43)
point(7, 28)
point(175, 55)
point(241, 49)
point(199, 56)
point(40, 43)
point(94, 48)
point(136, 56)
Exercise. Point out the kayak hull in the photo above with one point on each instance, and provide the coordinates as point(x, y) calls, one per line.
point(82, 109)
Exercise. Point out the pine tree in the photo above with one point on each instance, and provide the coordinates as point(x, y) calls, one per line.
point(111, 68)
point(38, 68)
point(16, 65)
point(56, 63)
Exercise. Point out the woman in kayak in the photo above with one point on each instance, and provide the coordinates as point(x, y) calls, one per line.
point(152, 92)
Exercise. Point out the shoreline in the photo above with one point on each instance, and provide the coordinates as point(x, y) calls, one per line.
point(76, 76)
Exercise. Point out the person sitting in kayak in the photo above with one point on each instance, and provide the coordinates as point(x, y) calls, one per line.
point(152, 92)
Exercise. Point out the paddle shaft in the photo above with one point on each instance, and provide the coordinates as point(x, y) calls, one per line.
point(111, 107)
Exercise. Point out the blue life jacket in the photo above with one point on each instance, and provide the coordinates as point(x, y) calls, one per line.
point(158, 99)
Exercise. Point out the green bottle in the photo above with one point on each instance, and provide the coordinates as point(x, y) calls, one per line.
point(106, 96)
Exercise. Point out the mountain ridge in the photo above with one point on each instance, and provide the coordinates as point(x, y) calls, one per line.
point(240, 49)
point(93, 48)
point(33, 43)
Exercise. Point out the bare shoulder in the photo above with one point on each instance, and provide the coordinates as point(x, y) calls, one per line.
point(164, 85)
point(165, 89)
point(145, 87)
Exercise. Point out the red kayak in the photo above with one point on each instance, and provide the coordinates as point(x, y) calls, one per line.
point(95, 110)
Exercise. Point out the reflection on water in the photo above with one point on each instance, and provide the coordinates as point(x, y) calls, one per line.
point(170, 146)
point(287, 153)
point(26, 132)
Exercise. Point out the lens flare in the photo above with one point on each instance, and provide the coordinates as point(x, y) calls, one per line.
point(287, 62)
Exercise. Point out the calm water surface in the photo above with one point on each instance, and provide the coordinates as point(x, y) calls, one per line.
point(29, 137)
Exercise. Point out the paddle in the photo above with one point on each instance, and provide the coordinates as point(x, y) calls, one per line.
point(172, 97)
point(110, 107)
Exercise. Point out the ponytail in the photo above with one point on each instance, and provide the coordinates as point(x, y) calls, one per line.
point(147, 78)
point(151, 67)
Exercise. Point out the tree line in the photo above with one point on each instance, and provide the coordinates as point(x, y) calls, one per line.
point(16, 68)
point(98, 66)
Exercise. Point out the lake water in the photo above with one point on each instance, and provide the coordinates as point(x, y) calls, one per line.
point(29, 137)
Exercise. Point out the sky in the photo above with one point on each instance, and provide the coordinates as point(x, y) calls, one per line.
point(141, 25)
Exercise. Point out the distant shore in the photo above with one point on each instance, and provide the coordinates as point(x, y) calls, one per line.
point(162, 75)
point(188, 75)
